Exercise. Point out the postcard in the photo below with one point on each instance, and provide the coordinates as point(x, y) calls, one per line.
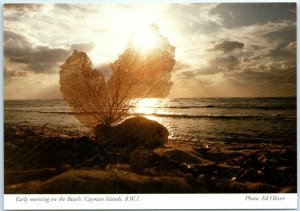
point(150, 105)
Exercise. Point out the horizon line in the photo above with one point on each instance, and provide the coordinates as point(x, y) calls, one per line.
point(165, 98)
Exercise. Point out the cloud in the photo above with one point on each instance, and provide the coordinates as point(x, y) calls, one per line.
point(23, 7)
point(180, 66)
point(227, 61)
point(284, 52)
point(255, 34)
point(285, 34)
point(228, 46)
point(86, 47)
point(44, 67)
point(63, 6)
point(250, 59)
point(271, 79)
point(216, 65)
point(105, 69)
point(234, 15)
point(188, 74)
point(84, 8)
point(281, 54)
point(14, 73)
point(15, 45)
point(291, 47)
point(41, 54)
point(39, 59)
point(187, 16)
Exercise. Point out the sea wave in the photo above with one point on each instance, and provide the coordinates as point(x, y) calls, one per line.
point(227, 117)
point(275, 107)
point(185, 116)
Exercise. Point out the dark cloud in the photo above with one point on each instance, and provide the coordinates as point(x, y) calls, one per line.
point(281, 54)
point(286, 43)
point(271, 79)
point(283, 36)
point(15, 45)
point(12, 35)
point(291, 47)
point(82, 8)
point(221, 64)
point(23, 7)
point(63, 6)
point(250, 59)
point(234, 15)
point(228, 46)
point(286, 48)
point(44, 67)
point(42, 54)
point(256, 47)
point(194, 74)
point(15, 12)
point(86, 47)
point(40, 59)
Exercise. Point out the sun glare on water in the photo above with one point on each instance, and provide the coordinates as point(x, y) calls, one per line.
point(147, 106)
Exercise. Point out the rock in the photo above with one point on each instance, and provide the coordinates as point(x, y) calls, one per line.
point(65, 167)
point(186, 168)
point(226, 171)
point(248, 187)
point(15, 177)
point(105, 134)
point(181, 156)
point(262, 159)
point(270, 167)
point(139, 160)
point(96, 181)
point(291, 189)
point(140, 131)
point(11, 149)
point(117, 167)
point(283, 169)
point(142, 159)
point(135, 132)
point(250, 175)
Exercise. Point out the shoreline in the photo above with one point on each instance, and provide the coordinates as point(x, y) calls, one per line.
point(38, 160)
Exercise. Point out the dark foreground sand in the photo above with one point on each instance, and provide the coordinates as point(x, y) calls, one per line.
point(39, 160)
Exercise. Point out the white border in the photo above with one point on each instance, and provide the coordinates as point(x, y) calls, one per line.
point(146, 1)
point(152, 201)
point(149, 201)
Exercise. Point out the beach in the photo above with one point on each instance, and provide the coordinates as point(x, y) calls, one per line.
point(223, 145)
point(41, 160)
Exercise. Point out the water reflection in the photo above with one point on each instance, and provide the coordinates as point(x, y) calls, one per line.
point(148, 106)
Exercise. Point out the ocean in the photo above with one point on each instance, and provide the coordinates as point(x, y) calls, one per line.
point(251, 120)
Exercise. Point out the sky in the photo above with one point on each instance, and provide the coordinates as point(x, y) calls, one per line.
point(222, 50)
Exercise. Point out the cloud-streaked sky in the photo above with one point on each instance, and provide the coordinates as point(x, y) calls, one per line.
point(222, 50)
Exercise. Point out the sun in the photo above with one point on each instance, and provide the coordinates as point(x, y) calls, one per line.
point(146, 39)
